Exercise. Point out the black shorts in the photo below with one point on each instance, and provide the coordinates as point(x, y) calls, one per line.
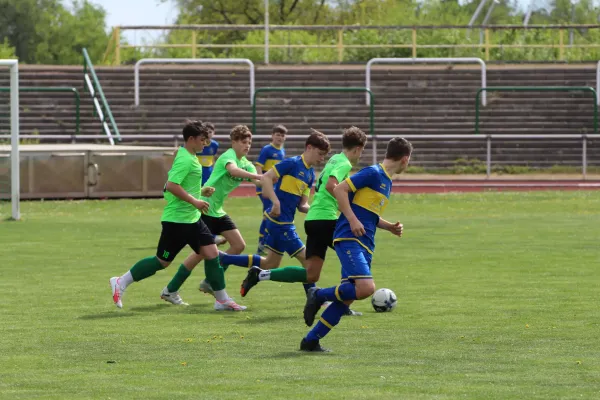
point(218, 225)
point(319, 236)
point(175, 236)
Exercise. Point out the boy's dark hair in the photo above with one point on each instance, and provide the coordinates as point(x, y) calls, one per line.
point(280, 129)
point(240, 132)
point(397, 148)
point(210, 126)
point(194, 129)
point(353, 137)
point(318, 140)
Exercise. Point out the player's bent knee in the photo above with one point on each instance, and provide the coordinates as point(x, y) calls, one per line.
point(209, 252)
point(313, 275)
point(364, 288)
point(237, 248)
point(164, 263)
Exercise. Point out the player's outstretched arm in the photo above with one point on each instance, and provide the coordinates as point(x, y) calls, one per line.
point(341, 195)
point(179, 192)
point(394, 229)
point(240, 173)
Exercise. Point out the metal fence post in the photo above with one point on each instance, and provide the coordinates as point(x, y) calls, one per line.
point(584, 156)
point(488, 167)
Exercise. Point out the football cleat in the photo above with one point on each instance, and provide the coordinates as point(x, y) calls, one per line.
point(313, 346)
point(206, 288)
point(172, 297)
point(312, 306)
point(117, 293)
point(229, 305)
point(250, 281)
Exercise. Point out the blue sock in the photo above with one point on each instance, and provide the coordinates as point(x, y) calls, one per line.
point(242, 260)
point(345, 291)
point(330, 318)
point(308, 286)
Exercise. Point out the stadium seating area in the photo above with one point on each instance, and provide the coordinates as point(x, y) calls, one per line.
point(409, 100)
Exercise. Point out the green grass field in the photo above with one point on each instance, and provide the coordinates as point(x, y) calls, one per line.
point(499, 298)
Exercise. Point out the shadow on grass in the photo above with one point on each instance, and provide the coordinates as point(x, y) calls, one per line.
point(298, 353)
point(268, 318)
point(143, 248)
point(107, 315)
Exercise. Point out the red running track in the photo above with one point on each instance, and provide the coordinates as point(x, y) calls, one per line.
point(446, 186)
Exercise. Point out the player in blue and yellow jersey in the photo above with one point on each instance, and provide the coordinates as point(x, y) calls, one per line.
point(270, 155)
point(288, 186)
point(362, 198)
point(206, 157)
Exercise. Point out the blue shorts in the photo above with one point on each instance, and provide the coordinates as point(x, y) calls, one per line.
point(283, 239)
point(266, 202)
point(355, 260)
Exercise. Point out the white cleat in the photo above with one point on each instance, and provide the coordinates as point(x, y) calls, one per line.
point(229, 305)
point(220, 240)
point(206, 288)
point(173, 298)
point(117, 293)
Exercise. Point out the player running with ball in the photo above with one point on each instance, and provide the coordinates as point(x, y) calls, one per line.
point(362, 199)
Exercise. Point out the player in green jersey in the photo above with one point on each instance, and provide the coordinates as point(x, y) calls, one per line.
point(230, 170)
point(181, 223)
point(320, 220)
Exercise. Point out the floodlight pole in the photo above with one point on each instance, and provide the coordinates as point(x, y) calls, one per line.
point(486, 19)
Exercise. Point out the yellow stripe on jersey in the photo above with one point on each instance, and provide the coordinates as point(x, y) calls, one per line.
point(269, 164)
point(349, 182)
point(293, 185)
point(371, 200)
point(206, 161)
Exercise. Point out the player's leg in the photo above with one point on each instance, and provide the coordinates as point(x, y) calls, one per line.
point(172, 240)
point(319, 237)
point(266, 204)
point(357, 284)
point(237, 245)
point(279, 240)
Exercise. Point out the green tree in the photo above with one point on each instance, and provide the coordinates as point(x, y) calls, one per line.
point(45, 32)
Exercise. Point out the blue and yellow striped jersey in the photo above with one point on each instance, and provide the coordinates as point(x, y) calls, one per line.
point(207, 155)
point(268, 157)
point(295, 180)
point(371, 188)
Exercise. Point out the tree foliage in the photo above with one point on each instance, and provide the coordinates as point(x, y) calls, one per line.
point(46, 32)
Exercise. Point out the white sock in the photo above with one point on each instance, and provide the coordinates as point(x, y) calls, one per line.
point(221, 296)
point(264, 275)
point(125, 280)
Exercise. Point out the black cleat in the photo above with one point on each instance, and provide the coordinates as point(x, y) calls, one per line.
point(352, 313)
point(312, 306)
point(313, 346)
point(250, 281)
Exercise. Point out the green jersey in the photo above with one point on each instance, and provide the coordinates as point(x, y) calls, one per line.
point(324, 206)
point(186, 172)
point(223, 182)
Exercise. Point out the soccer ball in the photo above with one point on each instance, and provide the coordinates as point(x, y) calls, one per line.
point(384, 300)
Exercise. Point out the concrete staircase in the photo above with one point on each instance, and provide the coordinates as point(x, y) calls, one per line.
point(408, 100)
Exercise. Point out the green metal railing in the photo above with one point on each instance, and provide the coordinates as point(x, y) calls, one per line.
point(316, 89)
point(536, 89)
point(52, 89)
point(94, 87)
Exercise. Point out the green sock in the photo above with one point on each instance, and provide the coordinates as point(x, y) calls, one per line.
point(180, 277)
point(288, 274)
point(145, 268)
point(214, 274)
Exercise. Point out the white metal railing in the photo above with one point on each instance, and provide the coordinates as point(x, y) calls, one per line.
point(190, 61)
point(465, 60)
point(105, 127)
point(15, 193)
point(488, 138)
